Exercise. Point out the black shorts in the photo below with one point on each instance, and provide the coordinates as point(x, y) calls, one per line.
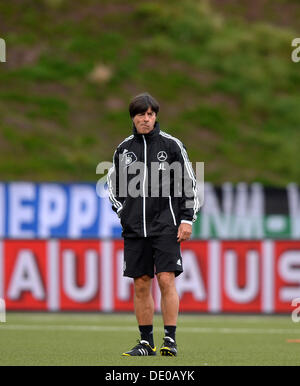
point(149, 255)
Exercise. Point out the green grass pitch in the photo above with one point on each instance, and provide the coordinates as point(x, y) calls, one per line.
point(99, 339)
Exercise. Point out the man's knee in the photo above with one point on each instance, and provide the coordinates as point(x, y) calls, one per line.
point(166, 280)
point(142, 286)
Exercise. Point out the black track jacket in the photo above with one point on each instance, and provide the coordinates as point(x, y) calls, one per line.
point(149, 214)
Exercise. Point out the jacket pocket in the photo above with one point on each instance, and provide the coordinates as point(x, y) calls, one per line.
point(172, 211)
point(130, 216)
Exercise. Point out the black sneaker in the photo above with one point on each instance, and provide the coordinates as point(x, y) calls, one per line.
point(169, 347)
point(143, 348)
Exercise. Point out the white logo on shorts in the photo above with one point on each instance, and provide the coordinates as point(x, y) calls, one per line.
point(178, 262)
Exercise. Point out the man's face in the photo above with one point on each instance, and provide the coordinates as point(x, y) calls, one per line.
point(144, 122)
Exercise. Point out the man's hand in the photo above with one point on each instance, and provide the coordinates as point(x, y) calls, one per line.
point(184, 232)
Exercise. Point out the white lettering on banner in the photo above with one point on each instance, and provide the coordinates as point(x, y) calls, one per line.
point(248, 216)
point(294, 209)
point(106, 275)
point(242, 220)
point(69, 209)
point(88, 291)
point(53, 298)
point(82, 196)
point(268, 273)
point(123, 283)
point(191, 279)
point(250, 290)
point(19, 213)
point(26, 277)
point(2, 210)
point(212, 215)
point(289, 270)
point(53, 208)
point(214, 276)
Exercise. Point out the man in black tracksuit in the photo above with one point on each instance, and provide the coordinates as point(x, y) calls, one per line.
point(157, 205)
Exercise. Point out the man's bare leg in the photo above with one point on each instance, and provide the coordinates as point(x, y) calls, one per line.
point(144, 307)
point(144, 311)
point(169, 308)
point(169, 298)
point(143, 300)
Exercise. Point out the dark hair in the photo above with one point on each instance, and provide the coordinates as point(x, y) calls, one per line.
point(141, 103)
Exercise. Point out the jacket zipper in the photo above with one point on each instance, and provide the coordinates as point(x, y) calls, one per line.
point(171, 209)
point(144, 186)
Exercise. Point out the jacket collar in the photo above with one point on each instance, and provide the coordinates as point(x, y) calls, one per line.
point(152, 134)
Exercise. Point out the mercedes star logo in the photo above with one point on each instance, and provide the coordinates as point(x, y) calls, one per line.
point(162, 156)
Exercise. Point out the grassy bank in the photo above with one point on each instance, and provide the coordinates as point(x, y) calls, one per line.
point(227, 86)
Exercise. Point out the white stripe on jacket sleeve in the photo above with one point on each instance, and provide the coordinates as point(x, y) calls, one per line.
point(117, 204)
point(189, 170)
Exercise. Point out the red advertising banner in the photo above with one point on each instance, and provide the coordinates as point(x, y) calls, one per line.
point(79, 273)
point(287, 274)
point(87, 275)
point(241, 281)
point(24, 278)
point(192, 284)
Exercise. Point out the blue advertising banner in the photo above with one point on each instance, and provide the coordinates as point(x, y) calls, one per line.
point(30, 210)
point(75, 210)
